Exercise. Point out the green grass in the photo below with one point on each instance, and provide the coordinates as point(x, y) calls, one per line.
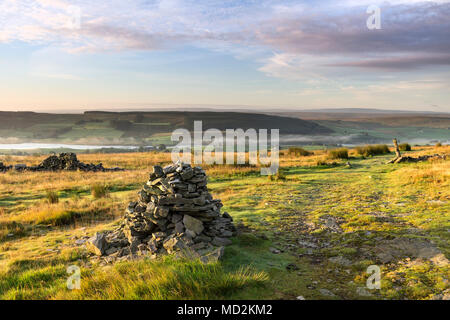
point(167, 278)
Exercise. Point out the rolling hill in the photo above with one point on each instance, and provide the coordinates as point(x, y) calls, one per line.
point(139, 127)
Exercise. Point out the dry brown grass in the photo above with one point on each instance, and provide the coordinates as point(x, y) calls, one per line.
point(435, 172)
point(77, 210)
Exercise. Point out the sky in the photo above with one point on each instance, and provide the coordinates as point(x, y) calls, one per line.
point(58, 55)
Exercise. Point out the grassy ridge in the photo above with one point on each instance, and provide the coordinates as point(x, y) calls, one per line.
point(137, 127)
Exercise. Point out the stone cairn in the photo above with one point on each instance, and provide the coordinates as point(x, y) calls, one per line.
point(65, 161)
point(174, 213)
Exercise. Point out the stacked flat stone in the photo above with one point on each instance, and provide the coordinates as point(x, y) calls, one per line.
point(174, 213)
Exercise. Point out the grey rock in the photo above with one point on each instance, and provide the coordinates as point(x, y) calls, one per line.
point(226, 215)
point(218, 241)
point(179, 227)
point(203, 238)
point(159, 236)
point(193, 224)
point(158, 171)
point(326, 292)
point(191, 234)
point(341, 261)
point(363, 292)
point(161, 212)
point(111, 251)
point(274, 250)
point(134, 244)
point(187, 174)
point(226, 234)
point(174, 244)
point(152, 245)
point(20, 166)
point(214, 256)
point(97, 244)
point(80, 241)
point(169, 169)
point(176, 218)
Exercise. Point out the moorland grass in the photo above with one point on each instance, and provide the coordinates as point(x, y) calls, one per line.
point(298, 151)
point(411, 198)
point(372, 150)
point(166, 279)
point(99, 191)
point(52, 197)
point(341, 153)
point(404, 147)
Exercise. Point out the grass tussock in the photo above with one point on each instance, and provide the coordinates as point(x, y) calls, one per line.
point(11, 230)
point(49, 215)
point(298, 151)
point(99, 191)
point(404, 147)
point(52, 197)
point(166, 279)
point(279, 176)
point(372, 150)
point(341, 153)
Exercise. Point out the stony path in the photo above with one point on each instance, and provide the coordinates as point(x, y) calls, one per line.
point(340, 221)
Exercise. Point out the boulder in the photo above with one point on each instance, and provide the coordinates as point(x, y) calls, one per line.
point(193, 224)
point(97, 244)
point(218, 241)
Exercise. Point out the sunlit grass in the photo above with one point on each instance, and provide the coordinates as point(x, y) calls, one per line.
point(36, 236)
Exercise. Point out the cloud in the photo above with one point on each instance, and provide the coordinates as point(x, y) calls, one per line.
point(397, 63)
point(303, 34)
point(406, 30)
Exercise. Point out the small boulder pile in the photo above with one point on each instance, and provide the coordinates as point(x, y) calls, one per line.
point(174, 213)
point(4, 168)
point(403, 159)
point(65, 161)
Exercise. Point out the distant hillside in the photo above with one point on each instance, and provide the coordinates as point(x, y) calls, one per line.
point(361, 111)
point(379, 127)
point(363, 114)
point(132, 127)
